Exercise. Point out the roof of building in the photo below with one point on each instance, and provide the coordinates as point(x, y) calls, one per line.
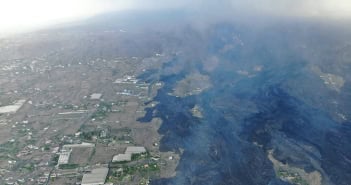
point(95, 96)
point(82, 145)
point(97, 176)
point(135, 150)
point(122, 157)
point(12, 108)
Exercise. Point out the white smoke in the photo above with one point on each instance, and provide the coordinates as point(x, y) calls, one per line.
point(17, 15)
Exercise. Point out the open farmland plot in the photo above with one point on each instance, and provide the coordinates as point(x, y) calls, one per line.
point(81, 156)
point(104, 154)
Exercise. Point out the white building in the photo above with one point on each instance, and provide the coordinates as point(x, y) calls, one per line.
point(135, 150)
point(95, 96)
point(82, 145)
point(96, 177)
point(122, 157)
point(12, 108)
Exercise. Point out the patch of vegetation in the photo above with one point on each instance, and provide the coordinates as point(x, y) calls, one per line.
point(22, 132)
point(89, 135)
point(28, 167)
point(154, 167)
point(291, 177)
point(68, 107)
point(103, 109)
point(83, 106)
point(4, 158)
point(299, 181)
point(136, 157)
point(54, 160)
point(46, 147)
point(122, 134)
point(144, 170)
point(10, 147)
point(30, 142)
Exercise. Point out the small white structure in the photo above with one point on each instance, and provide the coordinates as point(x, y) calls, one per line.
point(122, 157)
point(12, 108)
point(95, 96)
point(83, 145)
point(96, 177)
point(64, 157)
point(135, 150)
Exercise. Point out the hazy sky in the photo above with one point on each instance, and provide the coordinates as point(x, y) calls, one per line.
point(17, 15)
